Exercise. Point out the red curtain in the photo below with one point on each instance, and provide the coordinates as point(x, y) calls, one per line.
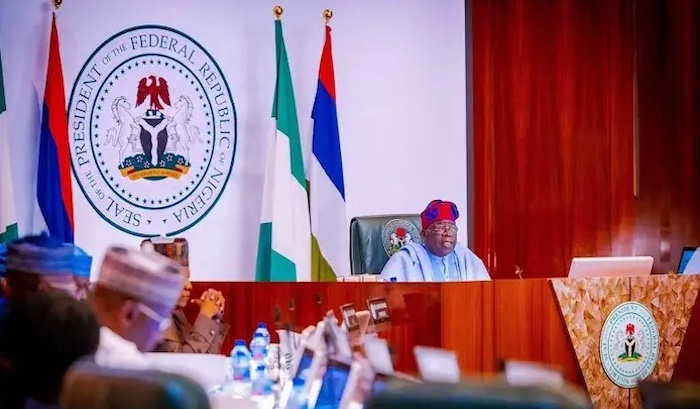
point(553, 132)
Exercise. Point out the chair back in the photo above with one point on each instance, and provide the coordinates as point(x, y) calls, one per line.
point(479, 395)
point(373, 239)
point(89, 386)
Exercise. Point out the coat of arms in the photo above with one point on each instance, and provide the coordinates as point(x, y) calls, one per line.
point(160, 139)
point(153, 131)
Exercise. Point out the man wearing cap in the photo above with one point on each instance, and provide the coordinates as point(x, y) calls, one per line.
point(440, 257)
point(208, 331)
point(133, 298)
point(33, 263)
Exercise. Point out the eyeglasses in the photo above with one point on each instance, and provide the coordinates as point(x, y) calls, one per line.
point(163, 322)
point(444, 228)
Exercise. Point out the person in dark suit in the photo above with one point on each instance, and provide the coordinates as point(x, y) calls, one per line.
point(208, 331)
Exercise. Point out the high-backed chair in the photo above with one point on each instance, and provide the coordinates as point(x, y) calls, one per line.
point(671, 395)
point(373, 239)
point(478, 395)
point(89, 386)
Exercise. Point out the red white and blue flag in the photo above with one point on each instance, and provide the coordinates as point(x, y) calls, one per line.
point(54, 191)
point(329, 223)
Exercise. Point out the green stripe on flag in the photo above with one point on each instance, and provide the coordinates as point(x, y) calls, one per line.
point(284, 109)
point(262, 265)
point(10, 234)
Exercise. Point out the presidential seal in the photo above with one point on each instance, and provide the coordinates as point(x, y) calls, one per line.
point(629, 344)
point(397, 233)
point(153, 131)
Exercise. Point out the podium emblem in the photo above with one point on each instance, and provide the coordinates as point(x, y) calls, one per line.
point(629, 344)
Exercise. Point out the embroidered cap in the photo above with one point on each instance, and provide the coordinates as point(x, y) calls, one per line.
point(41, 255)
point(437, 211)
point(82, 262)
point(176, 249)
point(146, 276)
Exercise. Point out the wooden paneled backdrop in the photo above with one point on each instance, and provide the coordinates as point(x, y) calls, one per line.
point(483, 322)
point(586, 128)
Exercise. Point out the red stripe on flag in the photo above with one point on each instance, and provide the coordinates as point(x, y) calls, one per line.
point(55, 99)
point(326, 74)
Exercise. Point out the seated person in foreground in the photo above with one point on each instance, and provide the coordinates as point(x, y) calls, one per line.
point(440, 257)
point(208, 332)
point(42, 335)
point(134, 296)
point(35, 263)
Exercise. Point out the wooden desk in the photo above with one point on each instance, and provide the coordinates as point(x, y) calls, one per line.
point(483, 322)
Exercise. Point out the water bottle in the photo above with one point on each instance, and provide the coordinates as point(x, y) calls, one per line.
point(258, 349)
point(262, 329)
point(240, 368)
point(262, 385)
point(297, 398)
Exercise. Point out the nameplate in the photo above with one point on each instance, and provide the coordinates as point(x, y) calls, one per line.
point(347, 311)
point(379, 310)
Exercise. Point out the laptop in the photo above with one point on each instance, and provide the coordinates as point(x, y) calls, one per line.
point(437, 365)
point(690, 261)
point(590, 267)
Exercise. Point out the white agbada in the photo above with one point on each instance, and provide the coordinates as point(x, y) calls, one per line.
point(412, 263)
point(116, 352)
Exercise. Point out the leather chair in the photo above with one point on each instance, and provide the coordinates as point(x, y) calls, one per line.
point(374, 238)
point(669, 395)
point(89, 386)
point(478, 395)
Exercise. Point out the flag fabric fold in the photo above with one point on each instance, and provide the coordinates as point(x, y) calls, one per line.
point(329, 224)
point(284, 244)
point(54, 190)
point(8, 207)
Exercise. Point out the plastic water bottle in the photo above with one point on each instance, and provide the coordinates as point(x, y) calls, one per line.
point(240, 368)
point(262, 329)
point(258, 348)
point(262, 385)
point(297, 398)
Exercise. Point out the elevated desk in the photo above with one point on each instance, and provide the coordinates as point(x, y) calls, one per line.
point(486, 322)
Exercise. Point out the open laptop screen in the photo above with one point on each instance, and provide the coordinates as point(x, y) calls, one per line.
point(688, 254)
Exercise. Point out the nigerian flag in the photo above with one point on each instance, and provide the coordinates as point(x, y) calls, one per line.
point(8, 213)
point(284, 245)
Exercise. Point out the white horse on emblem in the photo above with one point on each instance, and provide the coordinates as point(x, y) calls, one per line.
point(182, 135)
point(127, 132)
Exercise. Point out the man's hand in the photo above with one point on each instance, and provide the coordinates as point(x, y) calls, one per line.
point(211, 303)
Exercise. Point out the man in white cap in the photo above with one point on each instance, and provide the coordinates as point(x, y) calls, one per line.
point(134, 296)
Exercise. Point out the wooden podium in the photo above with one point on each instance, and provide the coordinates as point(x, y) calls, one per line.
point(556, 322)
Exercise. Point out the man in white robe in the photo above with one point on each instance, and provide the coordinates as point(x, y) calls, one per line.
point(134, 296)
point(440, 258)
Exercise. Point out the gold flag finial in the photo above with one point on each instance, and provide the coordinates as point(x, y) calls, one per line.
point(57, 3)
point(327, 15)
point(277, 11)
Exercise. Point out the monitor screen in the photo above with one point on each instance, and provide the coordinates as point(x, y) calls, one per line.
point(686, 256)
point(304, 364)
point(333, 385)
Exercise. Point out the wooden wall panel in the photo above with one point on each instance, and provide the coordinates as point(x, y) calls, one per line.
point(482, 322)
point(555, 131)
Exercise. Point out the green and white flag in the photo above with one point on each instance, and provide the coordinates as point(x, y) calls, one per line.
point(8, 210)
point(284, 245)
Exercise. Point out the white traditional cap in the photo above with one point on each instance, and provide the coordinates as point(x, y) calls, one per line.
point(146, 276)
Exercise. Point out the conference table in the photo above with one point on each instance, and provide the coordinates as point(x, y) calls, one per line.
point(486, 323)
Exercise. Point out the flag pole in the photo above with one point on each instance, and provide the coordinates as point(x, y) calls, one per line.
point(57, 3)
point(327, 15)
point(277, 11)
